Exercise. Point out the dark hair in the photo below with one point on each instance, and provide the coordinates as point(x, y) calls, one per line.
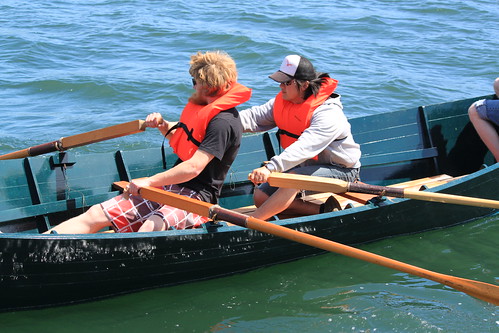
point(314, 85)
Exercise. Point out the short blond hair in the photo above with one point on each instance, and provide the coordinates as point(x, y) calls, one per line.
point(215, 69)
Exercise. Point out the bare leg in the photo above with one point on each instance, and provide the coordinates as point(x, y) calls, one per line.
point(153, 223)
point(259, 197)
point(300, 207)
point(89, 222)
point(283, 200)
point(276, 203)
point(485, 129)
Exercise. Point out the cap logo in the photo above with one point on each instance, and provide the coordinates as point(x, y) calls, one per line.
point(290, 64)
point(294, 66)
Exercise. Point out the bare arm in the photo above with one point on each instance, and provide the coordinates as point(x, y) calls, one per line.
point(180, 173)
point(155, 120)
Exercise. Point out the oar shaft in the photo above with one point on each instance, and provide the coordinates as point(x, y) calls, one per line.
point(16, 154)
point(473, 288)
point(481, 290)
point(175, 200)
point(322, 184)
point(33, 151)
point(103, 134)
point(422, 195)
point(450, 198)
point(78, 140)
point(218, 213)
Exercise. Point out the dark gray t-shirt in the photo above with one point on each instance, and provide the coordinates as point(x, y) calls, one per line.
point(222, 140)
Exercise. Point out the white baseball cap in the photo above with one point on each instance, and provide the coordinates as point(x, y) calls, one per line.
point(294, 67)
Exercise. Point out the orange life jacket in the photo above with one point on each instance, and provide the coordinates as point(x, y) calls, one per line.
point(292, 119)
point(191, 128)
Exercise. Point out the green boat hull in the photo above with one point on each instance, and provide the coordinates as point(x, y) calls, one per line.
point(37, 192)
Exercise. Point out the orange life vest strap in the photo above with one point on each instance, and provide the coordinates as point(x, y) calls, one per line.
point(195, 118)
point(293, 119)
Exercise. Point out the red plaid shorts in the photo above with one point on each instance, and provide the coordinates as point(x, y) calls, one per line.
point(128, 215)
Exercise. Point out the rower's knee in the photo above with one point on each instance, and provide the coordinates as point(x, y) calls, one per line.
point(472, 112)
point(93, 220)
point(95, 213)
point(147, 226)
point(259, 197)
point(153, 223)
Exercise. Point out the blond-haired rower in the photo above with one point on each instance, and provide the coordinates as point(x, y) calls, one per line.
point(206, 140)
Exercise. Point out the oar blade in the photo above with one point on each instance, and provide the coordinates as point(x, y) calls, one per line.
point(481, 290)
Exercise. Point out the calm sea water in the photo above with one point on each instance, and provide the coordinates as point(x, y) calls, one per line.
point(67, 67)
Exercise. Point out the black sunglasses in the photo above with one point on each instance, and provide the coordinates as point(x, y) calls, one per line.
point(193, 81)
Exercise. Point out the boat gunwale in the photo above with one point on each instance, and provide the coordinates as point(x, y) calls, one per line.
point(224, 227)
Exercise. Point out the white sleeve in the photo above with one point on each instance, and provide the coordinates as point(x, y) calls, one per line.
point(258, 118)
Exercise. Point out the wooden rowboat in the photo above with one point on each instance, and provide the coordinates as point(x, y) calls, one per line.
point(432, 148)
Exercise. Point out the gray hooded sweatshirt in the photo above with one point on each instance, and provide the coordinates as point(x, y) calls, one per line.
point(329, 136)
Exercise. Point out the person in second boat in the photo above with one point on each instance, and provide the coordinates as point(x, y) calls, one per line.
point(313, 131)
point(484, 114)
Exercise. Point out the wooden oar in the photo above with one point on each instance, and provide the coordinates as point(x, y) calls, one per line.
point(321, 184)
point(78, 140)
point(481, 290)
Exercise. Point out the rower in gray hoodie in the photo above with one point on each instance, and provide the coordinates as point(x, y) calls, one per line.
point(314, 134)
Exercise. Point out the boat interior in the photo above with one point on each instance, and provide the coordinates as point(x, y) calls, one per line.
point(403, 148)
